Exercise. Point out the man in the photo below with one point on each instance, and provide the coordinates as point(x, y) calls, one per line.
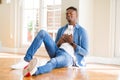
point(59, 51)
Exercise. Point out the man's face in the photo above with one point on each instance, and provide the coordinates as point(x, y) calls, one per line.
point(71, 16)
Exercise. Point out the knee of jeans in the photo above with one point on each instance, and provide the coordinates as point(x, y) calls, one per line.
point(53, 61)
point(41, 33)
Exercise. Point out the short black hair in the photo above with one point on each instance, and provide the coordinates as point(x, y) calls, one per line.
point(71, 7)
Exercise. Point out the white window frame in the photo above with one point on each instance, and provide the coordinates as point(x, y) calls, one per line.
point(18, 19)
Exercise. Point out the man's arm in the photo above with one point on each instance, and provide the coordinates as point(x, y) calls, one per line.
point(82, 46)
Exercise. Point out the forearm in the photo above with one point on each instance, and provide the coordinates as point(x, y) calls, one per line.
point(81, 50)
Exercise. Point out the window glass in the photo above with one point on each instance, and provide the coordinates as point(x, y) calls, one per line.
point(38, 14)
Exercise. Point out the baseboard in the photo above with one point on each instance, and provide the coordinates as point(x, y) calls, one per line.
point(103, 60)
point(42, 52)
point(23, 51)
point(13, 50)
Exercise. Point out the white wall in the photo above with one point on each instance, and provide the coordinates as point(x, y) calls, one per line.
point(5, 29)
point(117, 29)
point(94, 15)
point(86, 19)
point(101, 28)
point(99, 18)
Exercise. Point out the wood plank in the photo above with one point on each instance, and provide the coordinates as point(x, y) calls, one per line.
point(97, 72)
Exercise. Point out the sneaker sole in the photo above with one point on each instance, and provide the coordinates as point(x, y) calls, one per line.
point(30, 69)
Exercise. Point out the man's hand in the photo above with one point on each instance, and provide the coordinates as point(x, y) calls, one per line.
point(60, 41)
point(68, 38)
point(65, 38)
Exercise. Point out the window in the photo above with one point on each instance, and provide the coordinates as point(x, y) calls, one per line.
point(40, 14)
point(53, 16)
point(30, 20)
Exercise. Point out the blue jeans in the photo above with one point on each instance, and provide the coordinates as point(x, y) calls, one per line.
point(59, 58)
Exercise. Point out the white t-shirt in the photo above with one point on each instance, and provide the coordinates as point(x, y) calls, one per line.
point(66, 46)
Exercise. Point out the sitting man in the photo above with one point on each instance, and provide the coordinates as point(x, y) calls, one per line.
point(67, 50)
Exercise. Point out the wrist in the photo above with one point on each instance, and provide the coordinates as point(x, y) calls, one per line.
point(74, 45)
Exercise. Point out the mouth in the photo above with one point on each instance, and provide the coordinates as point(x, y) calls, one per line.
point(68, 18)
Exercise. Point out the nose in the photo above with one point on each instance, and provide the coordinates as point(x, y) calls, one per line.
point(68, 14)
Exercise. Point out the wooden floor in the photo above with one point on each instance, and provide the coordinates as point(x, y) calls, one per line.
point(92, 71)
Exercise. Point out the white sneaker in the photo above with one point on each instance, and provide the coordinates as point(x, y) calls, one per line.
point(31, 68)
point(20, 65)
